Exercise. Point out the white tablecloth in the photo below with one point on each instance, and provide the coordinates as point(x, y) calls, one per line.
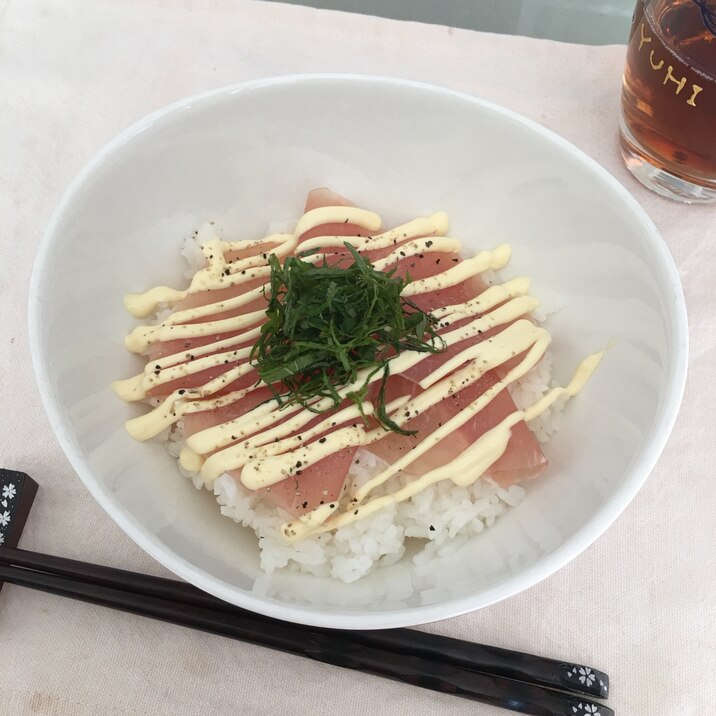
point(639, 603)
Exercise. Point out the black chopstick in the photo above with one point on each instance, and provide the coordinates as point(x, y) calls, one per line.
point(492, 660)
point(325, 647)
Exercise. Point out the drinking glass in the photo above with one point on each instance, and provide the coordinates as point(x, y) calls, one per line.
point(668, 119)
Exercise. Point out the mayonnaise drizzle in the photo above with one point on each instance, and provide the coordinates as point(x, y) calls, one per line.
point(337, 215)
point(434, 225)
point(141, 305)
point(465, 469)
point(140, 338)
point(263, 443)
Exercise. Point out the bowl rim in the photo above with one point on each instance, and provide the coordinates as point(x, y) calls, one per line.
point(352, 618)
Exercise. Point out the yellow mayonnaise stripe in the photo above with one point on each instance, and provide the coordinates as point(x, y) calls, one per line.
point(212, 309)
point(505, 314)
point(435, 225)
point(285, 242)
point(418, 248)
point(130, 389)
point(258, 419)
point(144, 336)
point(141, 305)
point(207, 280)
point(154, 379)
point(189, 460)
point(337, 215)
point(484, 261)
point(276, 441)
point(489, 298)
point(177, 404)
point(584, 372)
point(195, 352)
point(151, 424)
point(266, 471)
point(204, 404)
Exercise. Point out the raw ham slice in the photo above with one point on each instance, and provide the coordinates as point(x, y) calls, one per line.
point(200, 378)
point(321, 483)
point(522, 460)
point(204, 419)
point(317, 199)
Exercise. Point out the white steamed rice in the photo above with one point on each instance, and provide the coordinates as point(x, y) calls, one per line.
point(434, 522)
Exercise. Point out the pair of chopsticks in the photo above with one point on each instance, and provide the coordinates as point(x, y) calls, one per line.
point(512, 680)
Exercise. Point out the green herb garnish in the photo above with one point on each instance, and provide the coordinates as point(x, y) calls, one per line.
point(326, 323)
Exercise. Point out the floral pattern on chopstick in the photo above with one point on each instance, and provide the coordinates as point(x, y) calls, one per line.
point(8, 496)
point(582, 709)
point(592, 681)
point(17, 492)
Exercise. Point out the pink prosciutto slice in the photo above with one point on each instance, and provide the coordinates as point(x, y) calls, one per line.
point(522, 460)
point(318, 485)
point(204, 419)
point(317, 199)
point(203, 298)
point(201, 378)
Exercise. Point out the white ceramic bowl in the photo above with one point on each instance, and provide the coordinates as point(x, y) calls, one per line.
point(247, 155)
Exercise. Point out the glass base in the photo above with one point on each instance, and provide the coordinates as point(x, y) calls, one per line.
point(658, 179)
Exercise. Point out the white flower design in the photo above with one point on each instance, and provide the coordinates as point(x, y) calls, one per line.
point(591, 709)
point(586, 676)
point(4, 519)
point(2, 539)
point(582, 708)
point(9, 491)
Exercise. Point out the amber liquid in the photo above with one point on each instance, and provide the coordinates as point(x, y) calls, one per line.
point(669, 91)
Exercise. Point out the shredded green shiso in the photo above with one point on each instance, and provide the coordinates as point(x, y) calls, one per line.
point(325, 323)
